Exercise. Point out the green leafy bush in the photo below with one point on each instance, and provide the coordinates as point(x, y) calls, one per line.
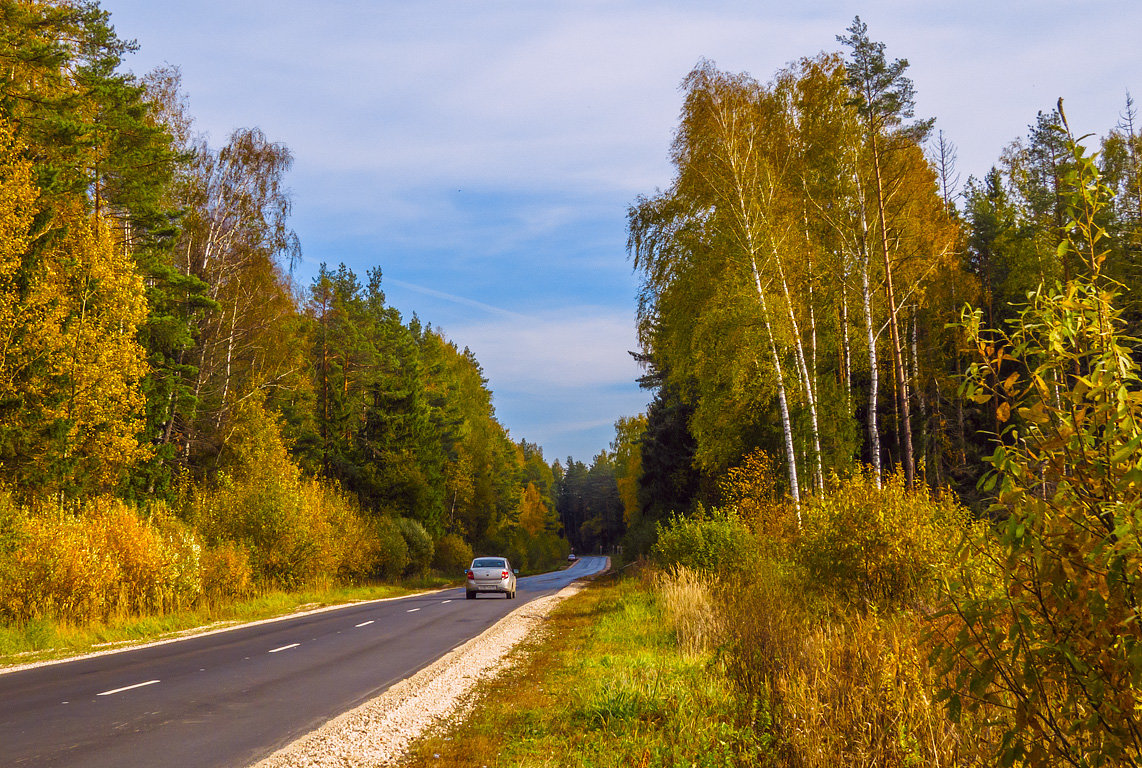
point(420, 547)
point(452, 554)
point(886, 543)
point(512, 542)
point(713, 540)
point(547, 550)
point(392, 551)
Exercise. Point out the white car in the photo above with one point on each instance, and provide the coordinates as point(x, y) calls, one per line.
point(490, 574)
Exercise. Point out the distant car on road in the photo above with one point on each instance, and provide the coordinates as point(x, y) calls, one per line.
point(571, 558)
point(490, 574)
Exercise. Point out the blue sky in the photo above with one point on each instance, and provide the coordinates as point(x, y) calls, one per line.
point(483, 152)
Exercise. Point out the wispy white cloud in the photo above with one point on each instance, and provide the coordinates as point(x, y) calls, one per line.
point(560, 95)
point(451, 297)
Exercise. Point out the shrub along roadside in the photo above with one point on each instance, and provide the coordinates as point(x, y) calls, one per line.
point(260, 527)
point(824, 636)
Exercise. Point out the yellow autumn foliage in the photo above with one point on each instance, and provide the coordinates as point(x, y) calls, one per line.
point(18, 195)
point(881, 543)
point(102, 359)
point(293, 530)
point(71, 303)
point(752, 490)
point(534, 514)
point(94, 562)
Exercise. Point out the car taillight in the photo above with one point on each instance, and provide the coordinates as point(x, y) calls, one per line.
point(503, 574)
point(470, 574)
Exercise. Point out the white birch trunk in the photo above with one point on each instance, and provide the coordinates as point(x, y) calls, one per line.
point(748, 213)
point(783, 403)
point(803, 370)
point(228, 367)
point(846, 347)
point(874, 374)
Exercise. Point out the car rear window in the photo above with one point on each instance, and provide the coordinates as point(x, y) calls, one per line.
point(488, 562)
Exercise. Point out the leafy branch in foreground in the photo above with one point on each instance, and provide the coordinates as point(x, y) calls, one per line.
point(1049, 642)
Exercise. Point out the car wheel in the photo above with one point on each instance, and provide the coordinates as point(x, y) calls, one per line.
point(470, 595)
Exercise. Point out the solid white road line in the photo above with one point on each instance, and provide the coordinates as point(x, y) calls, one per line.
point(365, 623)
point(284, 647)
point(127, 688)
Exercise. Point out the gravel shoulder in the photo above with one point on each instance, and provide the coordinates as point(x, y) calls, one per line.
point(379, 732)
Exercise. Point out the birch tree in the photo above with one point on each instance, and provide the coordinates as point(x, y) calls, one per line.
point(716, 253)
point(832, 184)
point(237, 240)
point(884, 98)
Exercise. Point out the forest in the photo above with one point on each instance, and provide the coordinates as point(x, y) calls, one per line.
point(803, 278)
point(890, 477)
point(182, 419)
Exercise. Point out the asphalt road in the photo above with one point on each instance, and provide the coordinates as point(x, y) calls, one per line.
point(231, 698)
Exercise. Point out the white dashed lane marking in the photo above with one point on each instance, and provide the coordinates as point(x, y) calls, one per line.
point(412, 610)
point(127, 688)
point(285, 647)
point(365, 623)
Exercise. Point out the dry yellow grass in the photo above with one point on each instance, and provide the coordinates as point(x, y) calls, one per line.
point(687, 598)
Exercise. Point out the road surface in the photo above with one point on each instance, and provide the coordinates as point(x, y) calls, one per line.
point(231, 698)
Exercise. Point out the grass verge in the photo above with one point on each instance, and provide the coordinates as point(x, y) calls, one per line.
point(44, 640)
point(605, 684)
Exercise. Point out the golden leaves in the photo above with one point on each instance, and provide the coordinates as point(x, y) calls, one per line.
point(70, 306)
point(534, 514)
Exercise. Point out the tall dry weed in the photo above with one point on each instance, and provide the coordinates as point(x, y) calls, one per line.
point(101, 560)
point(833, 685)
point(764, 622)
point(861, 696)
point(687, 597)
